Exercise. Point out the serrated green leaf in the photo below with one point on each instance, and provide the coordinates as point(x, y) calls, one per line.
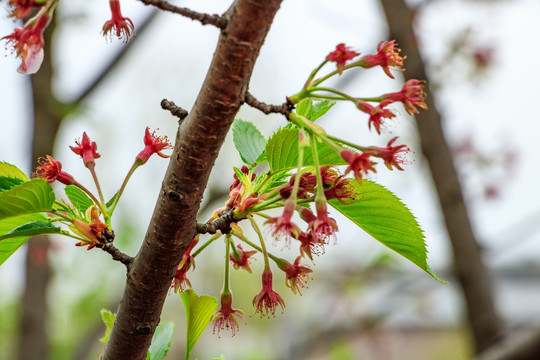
point(108, 318)
point(9, 246)
point(31, 229)
point(10, 170)
point(383, 216)
point(78, 198)
point(304, 108)
point(320, 108)
point(161, 341)
point(8, 183)
point(199, 310)
point(248, 140)
point(33, 196)
point(282, 151)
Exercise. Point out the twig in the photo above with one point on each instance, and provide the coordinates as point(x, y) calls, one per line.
point(222, 223)
point(117, 254)
point(284, 108)
point(175, 110)
point(205, 19)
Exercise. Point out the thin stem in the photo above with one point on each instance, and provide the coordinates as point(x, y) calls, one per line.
point(315, 154)
point(313, 73)
point(246, 240)
point(96, 181)
point(345, 142)
point(227, 263)
point(346, 96)
point(205, 19)
point(96, 201)
point(208, 242)
point(263, 246)
point(326, 77)
point(135, 165)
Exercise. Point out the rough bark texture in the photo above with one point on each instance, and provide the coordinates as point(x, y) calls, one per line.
point(33, 341)
point(470, 270)
point(197, 145)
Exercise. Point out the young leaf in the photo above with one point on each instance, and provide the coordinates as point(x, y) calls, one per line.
point(382, 215)
point(320, 108)
point(9, 246)
point(78, 198)
point(161, 341)
point(111, 200)
point(108, 318)
point(12, 171)
point(33, 196)
point(304, 108)
point(8, 183)
point(282, 151)
point(33, 228)
point(199, 310)
point(248, 140)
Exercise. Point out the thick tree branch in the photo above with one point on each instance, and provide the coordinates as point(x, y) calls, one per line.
point(205, 19)
point(198, 141)
point(284, 108)
point(472, 274)
point(525, 347)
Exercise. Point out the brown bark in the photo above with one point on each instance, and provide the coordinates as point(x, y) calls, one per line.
point(198, 141)
point(472, 274)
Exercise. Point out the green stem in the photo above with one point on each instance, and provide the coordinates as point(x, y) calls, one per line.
point(227, 263)
point(334, 91)
point(324, 78)
point(96, 201)
point(312, 75)
point(263, 246)
point(258, 248)
point(345, 142)
point(317, 167)
point(96, 181)
point(208, 242)
point(135, 165)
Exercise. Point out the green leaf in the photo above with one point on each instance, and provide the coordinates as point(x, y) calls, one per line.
point(248, 140)
point(33, 196)
point(78, 198)
point(33, 228)
point(304, 108)
point(12, 171)
point(199, 310)
point(8, 183)
point(111, 200)
point(108, 318)
point(9, 246)
point(282, 151)
point(320, 108)
point(161, 341)
point(382, 215)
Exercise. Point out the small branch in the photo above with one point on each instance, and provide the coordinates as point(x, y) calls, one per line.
point(222, 223)
point(284, 108)
point(205, 19)
point(175, 110)
point(117, 254)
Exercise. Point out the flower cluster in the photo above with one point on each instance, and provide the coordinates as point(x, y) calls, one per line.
point(89, 216)
point(27, 42)
point(303, 194)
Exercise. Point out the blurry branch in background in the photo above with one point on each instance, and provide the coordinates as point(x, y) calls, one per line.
point(112, 63)
point(472, 274)
point(524, 347)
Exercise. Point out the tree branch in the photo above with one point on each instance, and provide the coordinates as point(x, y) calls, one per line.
point(205, 19)
point(198, 140)
point(222, 223)
point(117, 255)
point(284, 108)
point(525, 347)
point(173, 109)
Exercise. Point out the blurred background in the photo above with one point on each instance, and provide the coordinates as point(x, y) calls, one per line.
point(474, 191)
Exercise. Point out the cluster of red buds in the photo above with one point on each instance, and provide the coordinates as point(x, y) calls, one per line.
point(27, 42)
point(91, 224)
point(252, 194)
